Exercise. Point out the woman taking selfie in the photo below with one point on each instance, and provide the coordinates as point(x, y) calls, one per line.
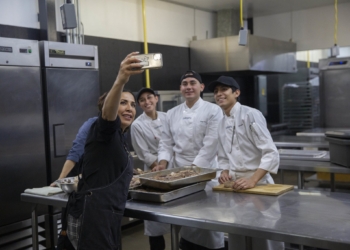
point(96, 209)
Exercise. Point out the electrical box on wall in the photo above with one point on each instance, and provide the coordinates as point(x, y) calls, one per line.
point(243, 37)
point(69, 20)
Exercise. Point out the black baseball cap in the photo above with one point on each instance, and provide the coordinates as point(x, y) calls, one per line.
point(223, 80)
point(143, 90)
point(193, 74)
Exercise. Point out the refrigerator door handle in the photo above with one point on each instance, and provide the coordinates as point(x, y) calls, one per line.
point(59, 140)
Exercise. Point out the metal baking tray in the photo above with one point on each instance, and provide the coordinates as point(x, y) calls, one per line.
point(204, 174)
point(339, 133)
point(136, 186)
point(297, 154)
point(133, 187)
point(149, 194)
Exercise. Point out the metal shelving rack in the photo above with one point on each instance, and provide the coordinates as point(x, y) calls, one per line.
point(301, 106)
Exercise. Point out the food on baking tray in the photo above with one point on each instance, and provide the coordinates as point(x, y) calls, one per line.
point(138, 171)
point(135, 181)
point(228, 184)
point(175, 175)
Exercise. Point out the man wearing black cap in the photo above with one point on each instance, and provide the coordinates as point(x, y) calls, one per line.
point(246, 150)
point(191, 136)
point(146, 132)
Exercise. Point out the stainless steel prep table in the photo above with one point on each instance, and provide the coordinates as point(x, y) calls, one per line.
point(312, 166)
point(303, 217)
point(317, 132)
point(291, 141)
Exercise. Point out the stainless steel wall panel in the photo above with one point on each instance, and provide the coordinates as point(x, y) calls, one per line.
point(268, 54)
point(208, 56)
point(259, 55)
point(238, 56)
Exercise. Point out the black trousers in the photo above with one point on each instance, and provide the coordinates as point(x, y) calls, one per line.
point(157, 242)
point(186, 245)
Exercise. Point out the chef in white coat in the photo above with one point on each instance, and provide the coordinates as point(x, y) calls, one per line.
point(246, 150)
point(146, 132)
point(190, 135)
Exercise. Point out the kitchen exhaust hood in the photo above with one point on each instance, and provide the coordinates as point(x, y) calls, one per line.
point(261, 55)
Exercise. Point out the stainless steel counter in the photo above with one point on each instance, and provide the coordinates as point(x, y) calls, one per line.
point(302, 217)
point(312, 166)
point(290, 141)
point(305, 155)
point(310, 218)
point(318, 132)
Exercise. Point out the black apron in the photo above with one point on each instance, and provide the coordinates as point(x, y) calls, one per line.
point(103, 211)
point(63, 243)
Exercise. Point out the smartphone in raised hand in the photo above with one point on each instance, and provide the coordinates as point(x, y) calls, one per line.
point(150, 61)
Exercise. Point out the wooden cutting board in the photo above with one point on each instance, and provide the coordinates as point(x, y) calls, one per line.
point(267, 189)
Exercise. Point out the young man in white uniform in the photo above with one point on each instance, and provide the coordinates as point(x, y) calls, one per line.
point(190, 135)
point(146, 132)
point(246, 150)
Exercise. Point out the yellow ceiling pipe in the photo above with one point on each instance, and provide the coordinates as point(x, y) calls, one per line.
point(226, 55)
point(241, 13)
point(145, 44)
point(336, 22)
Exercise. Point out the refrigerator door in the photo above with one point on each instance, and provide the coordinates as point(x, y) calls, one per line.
point(70, 99)
point(335, 101)
point(22, 150)
point(334, 91)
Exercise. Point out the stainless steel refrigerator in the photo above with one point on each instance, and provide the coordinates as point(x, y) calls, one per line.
point(22, 148)
point(48, 90)
point(70, 92)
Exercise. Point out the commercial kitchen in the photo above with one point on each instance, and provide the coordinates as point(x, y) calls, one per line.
point(290, 58)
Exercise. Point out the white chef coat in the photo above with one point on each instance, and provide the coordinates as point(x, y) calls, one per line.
point(190, 135)
point(252, 146)
point(145, 136)
point(245, 145)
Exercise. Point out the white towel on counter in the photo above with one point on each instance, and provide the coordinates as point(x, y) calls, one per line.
point(46, 191)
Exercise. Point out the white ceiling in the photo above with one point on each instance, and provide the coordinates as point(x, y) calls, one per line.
point(255, 8)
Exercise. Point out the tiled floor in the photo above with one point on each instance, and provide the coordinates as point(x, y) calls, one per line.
point(133, 238)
